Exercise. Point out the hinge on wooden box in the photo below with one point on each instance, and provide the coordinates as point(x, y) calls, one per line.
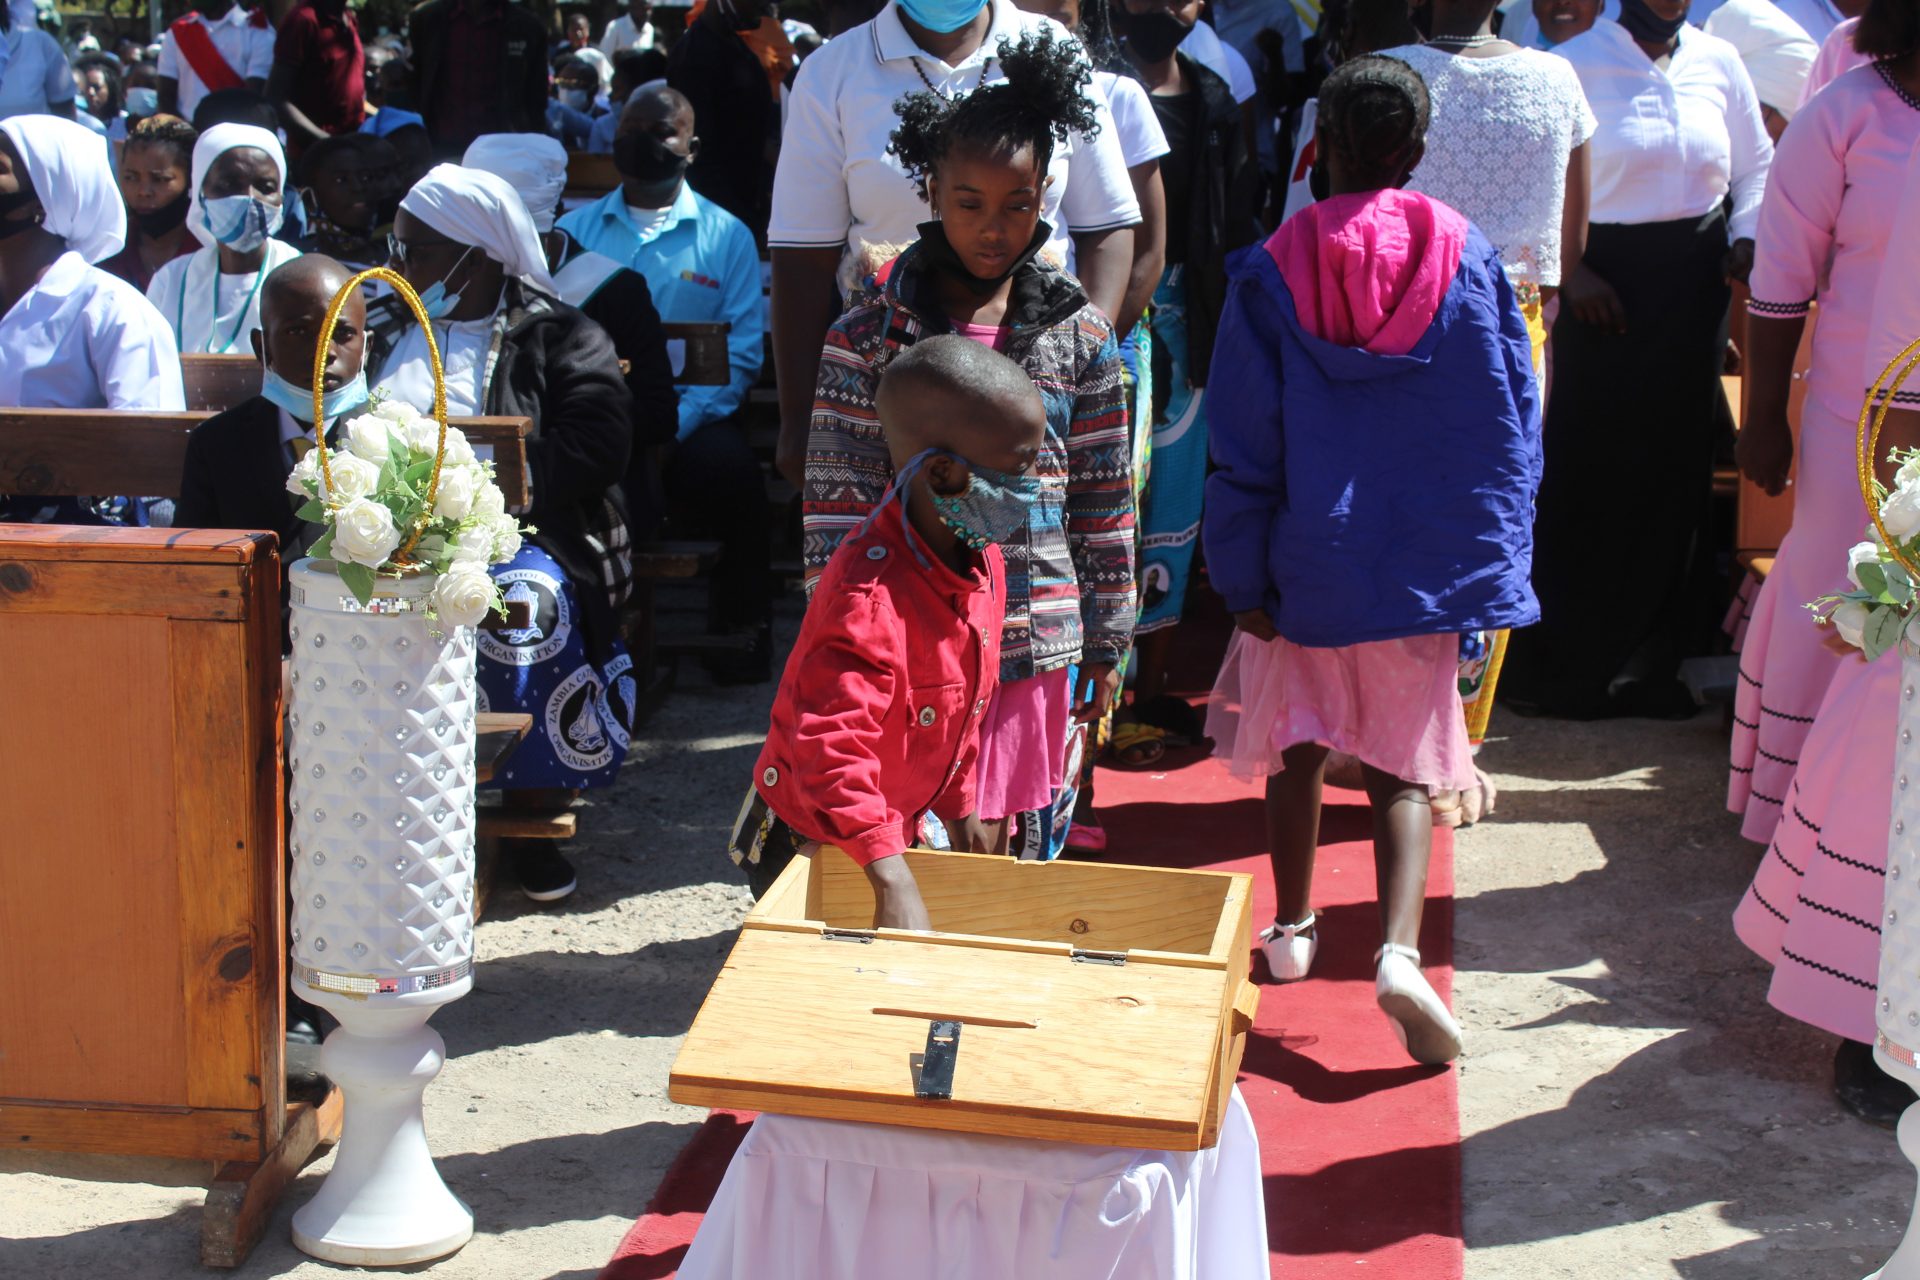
point(847, 935)
point(1098, 957)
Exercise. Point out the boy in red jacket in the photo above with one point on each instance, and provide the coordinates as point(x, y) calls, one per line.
point(877, 720)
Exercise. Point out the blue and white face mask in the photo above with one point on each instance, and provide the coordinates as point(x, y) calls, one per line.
point(991, 509)
point(435, 300)
point(241, 223)
point(298, 401)
point(942, 15)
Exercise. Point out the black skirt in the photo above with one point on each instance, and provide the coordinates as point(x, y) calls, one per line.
point(1628, 485)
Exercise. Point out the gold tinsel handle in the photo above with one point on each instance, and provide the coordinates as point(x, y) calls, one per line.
point(412, 299)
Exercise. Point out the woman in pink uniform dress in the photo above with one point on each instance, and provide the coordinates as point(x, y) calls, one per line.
point(1837, 177)
point(1813, 910)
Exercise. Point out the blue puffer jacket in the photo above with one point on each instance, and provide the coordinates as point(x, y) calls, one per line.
point(1363, 497)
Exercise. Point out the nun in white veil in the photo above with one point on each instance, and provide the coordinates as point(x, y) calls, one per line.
point(466, 243)
point(71, 335)
point(235, 208)
point(75, 337)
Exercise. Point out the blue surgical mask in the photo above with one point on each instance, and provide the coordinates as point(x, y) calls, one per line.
point(241, 223)
point(942, 15)
point(435, 300)
point(298, 401)
point(580, 100)
point(142, 102)
point(992, 509)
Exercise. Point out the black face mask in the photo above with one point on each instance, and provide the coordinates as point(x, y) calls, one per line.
point(158, 222)
point(645, 158)
point(942, 256)
point(11, 226)
point(1154, 36)
point(1646, 26)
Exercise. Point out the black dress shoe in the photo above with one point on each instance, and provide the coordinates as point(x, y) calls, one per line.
point(1865, 1089)
point(544, 873)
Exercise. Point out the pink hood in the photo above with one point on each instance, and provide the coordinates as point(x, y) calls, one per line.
point(1369, 270)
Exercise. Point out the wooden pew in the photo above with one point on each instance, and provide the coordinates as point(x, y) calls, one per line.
point(143, 878)
point(217, 383)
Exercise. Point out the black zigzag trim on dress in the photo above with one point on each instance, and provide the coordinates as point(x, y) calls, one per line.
point(1804, 820)
point(1734, 768)
point(1776, 803)
point(1761, 899)
point(1829, 970)
point(1778, 310)
point(1776, 759)
point(1837, 914)
point(1769, 711)
point(1743, 671)
point(1884, 67)
point(1774, 849)
point(1851, 862)
point(1744, 725)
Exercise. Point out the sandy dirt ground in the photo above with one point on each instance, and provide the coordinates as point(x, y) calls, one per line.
point(1631, 1105)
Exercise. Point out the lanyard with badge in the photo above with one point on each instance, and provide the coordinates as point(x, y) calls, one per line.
point(213, 317)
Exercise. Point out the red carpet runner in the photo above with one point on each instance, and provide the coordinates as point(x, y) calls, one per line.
point(1360, 1148)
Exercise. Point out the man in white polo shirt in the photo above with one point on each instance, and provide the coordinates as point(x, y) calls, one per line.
point(838, 197)
point(220, 45)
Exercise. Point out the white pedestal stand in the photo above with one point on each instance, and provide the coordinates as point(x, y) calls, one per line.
point(380, 739)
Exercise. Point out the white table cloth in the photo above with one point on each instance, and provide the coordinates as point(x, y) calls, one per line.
point(830, 1200)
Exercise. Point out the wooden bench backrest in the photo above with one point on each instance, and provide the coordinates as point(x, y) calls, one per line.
point(589, 176)
point(140, 671)
point(101, 451)
point(707, 363)
point(217, 383)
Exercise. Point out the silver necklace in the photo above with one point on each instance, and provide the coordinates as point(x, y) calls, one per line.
point(1462, 42)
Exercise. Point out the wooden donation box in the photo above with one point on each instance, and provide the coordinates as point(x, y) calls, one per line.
point(1064, 1001)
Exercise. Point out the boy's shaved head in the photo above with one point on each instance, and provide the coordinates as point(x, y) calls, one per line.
point(949, 392)
point(307, 276)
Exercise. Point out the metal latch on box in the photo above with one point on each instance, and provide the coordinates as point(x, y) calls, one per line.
point(1098, 957)
point(847, 935)
point(937, 1063)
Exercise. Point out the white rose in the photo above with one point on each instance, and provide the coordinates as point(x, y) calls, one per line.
point(395, 411)
point(1901, 512)
point(459, 451)
point(353, 477)
point(1850, 620)
point(367, 436)
point(1861, 553)
point(488, 503)
point(506, 538)
point(363, 533)
point(474, 544)
point(463, 595)
point(454, 497)
point(305, 475)
point(421, 434)
point(1908, 475)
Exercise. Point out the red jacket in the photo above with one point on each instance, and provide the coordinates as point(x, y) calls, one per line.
point(878, 715)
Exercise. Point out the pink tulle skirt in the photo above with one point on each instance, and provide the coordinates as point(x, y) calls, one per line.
point(1395, 704)
point(1023, 745)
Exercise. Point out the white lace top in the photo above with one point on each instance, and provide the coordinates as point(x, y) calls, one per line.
point(1497, 148)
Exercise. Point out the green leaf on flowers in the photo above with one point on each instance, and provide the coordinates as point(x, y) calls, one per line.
point(359, 580)
point(419, 471)
point(1899, 589)
point(1881, 633)
point(322, 547)
point(312, 510)
point(1873, 580)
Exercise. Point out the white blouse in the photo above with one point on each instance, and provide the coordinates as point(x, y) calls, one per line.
point(1675, 140)
point(84, 339)
point(464, 345)
point(1134, 119)
point(213, 313)
point(1497, 148)
point(836, 185)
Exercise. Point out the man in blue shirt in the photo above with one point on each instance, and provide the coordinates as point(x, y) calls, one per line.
point(702, 267)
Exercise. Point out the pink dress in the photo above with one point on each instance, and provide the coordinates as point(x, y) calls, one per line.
point(1394, 704)
point(1815, 908)
point(1831, 195)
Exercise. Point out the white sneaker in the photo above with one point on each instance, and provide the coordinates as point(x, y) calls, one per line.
point(1290, 948)
point(1425, 1029)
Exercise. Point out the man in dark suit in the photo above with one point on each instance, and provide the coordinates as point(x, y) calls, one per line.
point(237, 462)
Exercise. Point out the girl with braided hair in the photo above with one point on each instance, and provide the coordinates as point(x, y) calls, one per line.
point(1377, 442)
point(981, 164)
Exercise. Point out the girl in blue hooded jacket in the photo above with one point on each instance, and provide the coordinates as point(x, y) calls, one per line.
point(1377, 449)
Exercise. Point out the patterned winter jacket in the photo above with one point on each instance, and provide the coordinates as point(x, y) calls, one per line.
point(1070, 590)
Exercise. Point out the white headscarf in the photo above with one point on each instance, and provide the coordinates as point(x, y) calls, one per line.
point(533, 164)
point(73, 176)
point(215, 143)
point(472, 206)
